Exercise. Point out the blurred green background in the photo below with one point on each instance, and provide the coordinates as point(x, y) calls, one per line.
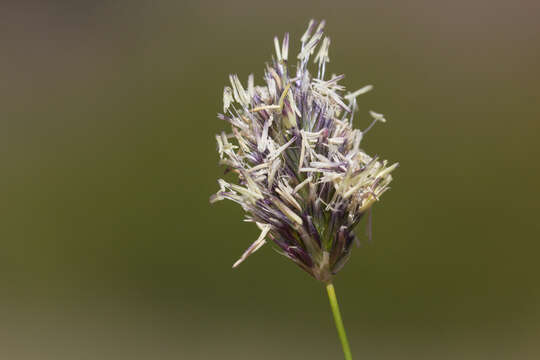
point(110, 250)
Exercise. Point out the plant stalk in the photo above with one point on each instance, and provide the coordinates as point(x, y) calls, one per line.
point(339, 322)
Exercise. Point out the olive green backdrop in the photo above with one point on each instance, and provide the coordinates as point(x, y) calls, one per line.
point(109, 248)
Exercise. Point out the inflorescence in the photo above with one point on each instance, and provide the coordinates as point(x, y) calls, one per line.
point(301, 174)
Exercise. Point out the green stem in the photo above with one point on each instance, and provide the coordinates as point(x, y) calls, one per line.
point(339, 322)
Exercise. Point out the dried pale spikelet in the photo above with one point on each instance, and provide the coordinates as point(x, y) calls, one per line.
point(301, 174)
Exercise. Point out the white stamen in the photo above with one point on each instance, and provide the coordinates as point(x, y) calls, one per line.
point(302, 184)
point(261, 146)
point(377, 116)
point(276, 164)
point(308, 32)
point(285, 48)
point(281, 149)
point(286, 194)
point(251, 87)
point(359, 92)
point(278, 51)
point(288, 212)
point(322, 56)
point(227, 98)
point(256, 245)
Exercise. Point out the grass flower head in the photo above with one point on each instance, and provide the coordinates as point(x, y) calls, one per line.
point(301, 174)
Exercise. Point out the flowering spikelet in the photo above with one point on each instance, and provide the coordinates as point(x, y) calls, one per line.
point(301, 174)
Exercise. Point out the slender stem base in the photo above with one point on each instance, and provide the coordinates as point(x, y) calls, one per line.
point(339, 322)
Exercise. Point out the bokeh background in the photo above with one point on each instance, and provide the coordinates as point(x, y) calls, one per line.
point(109, 248)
